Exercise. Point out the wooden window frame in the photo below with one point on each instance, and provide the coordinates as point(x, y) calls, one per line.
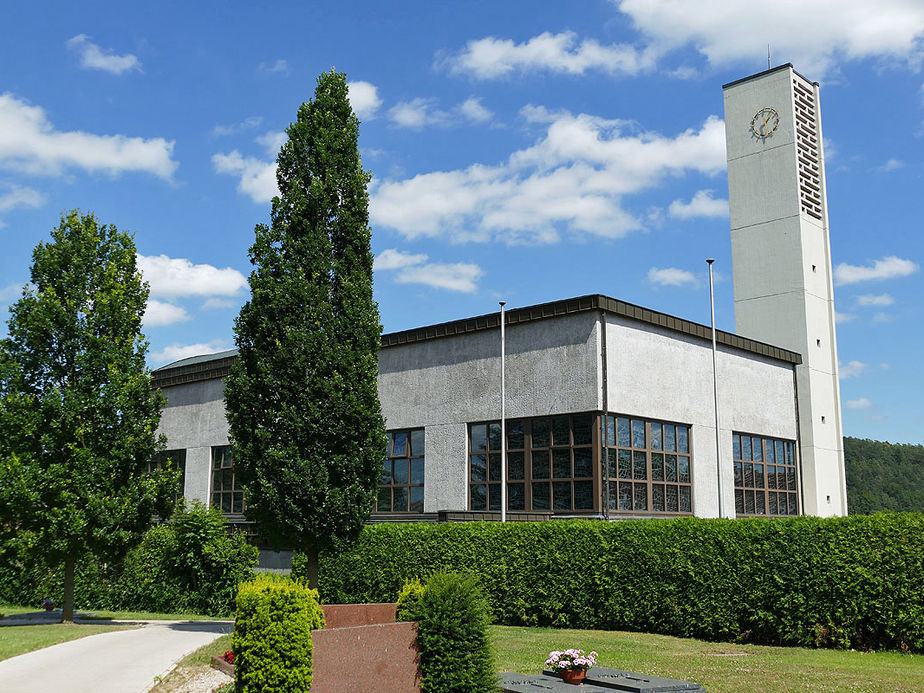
point(645, 489)
point(491, 453)
point(760, 494)
point(219, 454)
point(410, 455)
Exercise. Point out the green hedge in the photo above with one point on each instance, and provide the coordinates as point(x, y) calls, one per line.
point(272, 635)
point(835, 582)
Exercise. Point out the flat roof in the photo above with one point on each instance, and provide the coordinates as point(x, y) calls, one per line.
point(208, 366)
point(768, 72)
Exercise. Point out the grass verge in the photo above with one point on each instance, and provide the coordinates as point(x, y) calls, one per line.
point(719, 667)
point(194, 665)
point(17, 640)
point(204, 654)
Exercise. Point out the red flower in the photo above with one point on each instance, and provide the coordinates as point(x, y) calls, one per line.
point(228, 657)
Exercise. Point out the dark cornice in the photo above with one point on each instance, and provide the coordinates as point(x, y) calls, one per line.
point(768, 72)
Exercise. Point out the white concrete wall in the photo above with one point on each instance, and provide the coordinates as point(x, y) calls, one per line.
point(445, 384)
point(659, 374)
point(553, 367)
point(194, 419)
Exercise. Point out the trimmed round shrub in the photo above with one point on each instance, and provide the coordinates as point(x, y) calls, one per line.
point(272, 635)
point(452, 635)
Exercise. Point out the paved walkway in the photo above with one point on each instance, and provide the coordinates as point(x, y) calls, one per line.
point(117, 662)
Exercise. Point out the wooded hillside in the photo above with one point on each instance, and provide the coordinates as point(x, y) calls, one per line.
point(883, 476)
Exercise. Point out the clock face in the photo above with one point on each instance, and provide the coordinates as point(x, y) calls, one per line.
point(764, 123)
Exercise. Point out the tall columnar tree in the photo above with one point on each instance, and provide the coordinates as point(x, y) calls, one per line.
point(78, 416)
point(306, 426)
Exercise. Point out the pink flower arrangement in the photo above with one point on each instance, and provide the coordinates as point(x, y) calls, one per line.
point(571, 660)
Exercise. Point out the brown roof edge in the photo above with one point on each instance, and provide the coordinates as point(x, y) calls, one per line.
point(205, 369)
point(585, 303)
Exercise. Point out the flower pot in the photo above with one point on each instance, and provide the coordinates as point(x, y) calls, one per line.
point(573, 676)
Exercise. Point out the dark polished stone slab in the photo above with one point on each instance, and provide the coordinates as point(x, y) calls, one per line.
point(615, 679)
point(540, 683)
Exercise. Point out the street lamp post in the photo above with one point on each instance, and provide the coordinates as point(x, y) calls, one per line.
point(503, 420)
point(715, 387)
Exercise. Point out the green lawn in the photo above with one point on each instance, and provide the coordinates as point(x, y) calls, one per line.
point(9, 610)
point(720, 667)
point(17, 640)
point(145, 616)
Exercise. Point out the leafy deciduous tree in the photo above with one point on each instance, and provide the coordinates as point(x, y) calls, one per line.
point(78, 416)
point(306, 425)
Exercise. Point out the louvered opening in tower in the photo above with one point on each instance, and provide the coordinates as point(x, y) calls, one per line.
point(807, 150)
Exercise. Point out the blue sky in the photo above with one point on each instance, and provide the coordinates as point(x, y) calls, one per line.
point(529, 151)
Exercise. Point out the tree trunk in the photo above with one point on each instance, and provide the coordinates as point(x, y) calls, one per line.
point(67, 609)
point(313, 567)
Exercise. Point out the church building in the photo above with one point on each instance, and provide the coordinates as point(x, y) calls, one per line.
point(612, 410)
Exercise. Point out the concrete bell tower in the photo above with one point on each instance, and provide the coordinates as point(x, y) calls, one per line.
point(781, 256)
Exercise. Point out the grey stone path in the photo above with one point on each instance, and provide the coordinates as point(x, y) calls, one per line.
point(117, 662)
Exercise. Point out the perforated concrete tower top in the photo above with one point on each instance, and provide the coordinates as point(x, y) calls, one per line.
point(781, 258)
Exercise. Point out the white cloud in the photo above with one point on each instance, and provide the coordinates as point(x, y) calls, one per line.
point(703, 204)
point(875, 300)
point(861, 403)
point(18, 196)
point(280, 66)
point(11, 292)
point(272, 142)
point(887, 268)
point(92, 57)
point(177, 351)
point(532, 113)
point(843, 317)
point(880, 318)
point(454, 277)
point(814, 35)
point(492, 57)
point(219, 304)
point(572, 179)
point(417, 113)
point(159, 313)
point(414, 269)
point(257, 178)
point(852, 369)
point(671, 276)
point(246, 124)
point(891, 165)
point(170, 277)
point(30, 144)
point(473, 109)
point(364, 99)
point(394, 259)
